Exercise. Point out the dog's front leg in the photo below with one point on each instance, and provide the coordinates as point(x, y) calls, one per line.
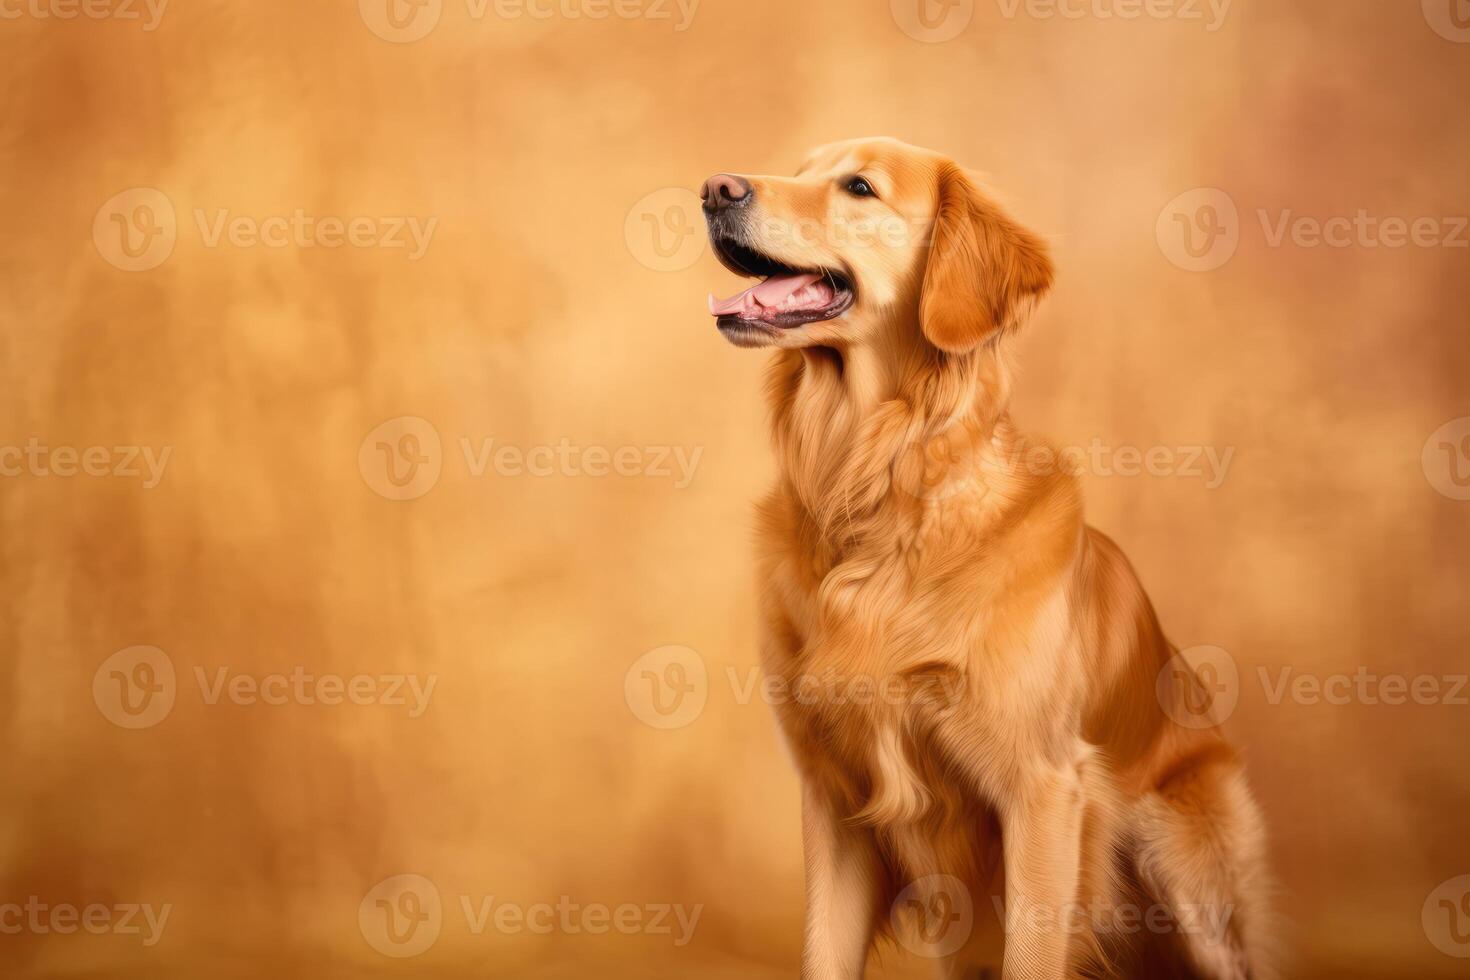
point(842, 892)
point(1042, 830)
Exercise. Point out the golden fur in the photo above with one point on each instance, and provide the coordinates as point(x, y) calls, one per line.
point(1029, 753)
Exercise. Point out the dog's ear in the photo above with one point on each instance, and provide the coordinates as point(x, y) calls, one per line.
point(984, 271)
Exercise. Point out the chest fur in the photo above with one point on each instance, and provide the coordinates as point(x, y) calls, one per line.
point(912, 686)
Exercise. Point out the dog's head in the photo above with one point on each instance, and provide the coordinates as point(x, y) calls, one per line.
point(870, 237)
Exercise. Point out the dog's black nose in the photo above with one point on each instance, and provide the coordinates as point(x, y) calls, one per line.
point(725, 191)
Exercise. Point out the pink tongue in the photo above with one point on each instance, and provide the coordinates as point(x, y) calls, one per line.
point(775, 295)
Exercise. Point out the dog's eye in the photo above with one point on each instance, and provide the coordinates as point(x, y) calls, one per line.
point(859, 187)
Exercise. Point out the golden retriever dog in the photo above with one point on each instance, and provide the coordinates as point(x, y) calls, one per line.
point(1001, 738)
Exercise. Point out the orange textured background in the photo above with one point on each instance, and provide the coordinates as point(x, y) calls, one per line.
point(541, 311)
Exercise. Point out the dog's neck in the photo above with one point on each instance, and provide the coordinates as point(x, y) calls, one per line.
point(855, 431)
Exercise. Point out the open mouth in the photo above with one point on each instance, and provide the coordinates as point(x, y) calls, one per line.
point(785, 297)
